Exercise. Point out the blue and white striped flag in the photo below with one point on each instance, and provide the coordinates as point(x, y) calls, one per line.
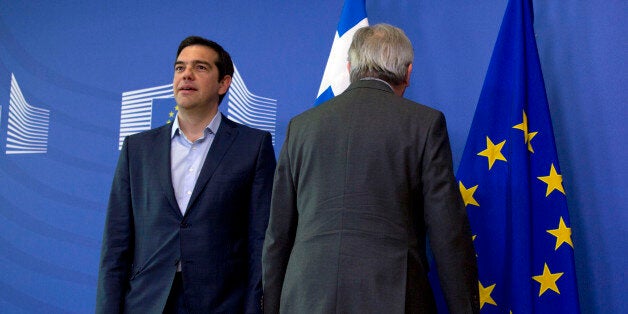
point(336, 77)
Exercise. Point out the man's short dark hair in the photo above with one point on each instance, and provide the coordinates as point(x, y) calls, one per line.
point(223, 63)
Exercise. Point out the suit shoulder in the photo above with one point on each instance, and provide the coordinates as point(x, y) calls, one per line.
point(328, 107)
point(420, 107)
point(245, 129)
point(140, 136)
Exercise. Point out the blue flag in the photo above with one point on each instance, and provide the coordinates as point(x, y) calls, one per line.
point(164, 110)
point(511, 182)
point(336, 76)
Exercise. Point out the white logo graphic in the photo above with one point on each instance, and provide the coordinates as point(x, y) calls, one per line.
point(243, 107)
point(28, 125)
point(249, 109)
point(137, 108)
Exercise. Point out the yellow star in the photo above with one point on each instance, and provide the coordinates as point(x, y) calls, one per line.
point(531, 135)
point(493, 152)
point(467, 194)
point(176, 107)
point(562, 234)
point(547, 280)
point(485, 295)
point(554, 181)
point(170, 114)
point(168, 122)
point(527, 137)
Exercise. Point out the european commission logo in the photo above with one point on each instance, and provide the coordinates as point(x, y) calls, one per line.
point(148, 108)
point(27, 126)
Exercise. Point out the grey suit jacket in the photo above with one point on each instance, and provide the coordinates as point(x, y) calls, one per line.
point(361, 180)
point(218, 241)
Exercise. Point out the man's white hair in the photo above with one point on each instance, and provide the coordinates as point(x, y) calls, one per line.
point(382, 51)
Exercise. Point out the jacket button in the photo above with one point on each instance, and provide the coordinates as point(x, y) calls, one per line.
point(184, 225)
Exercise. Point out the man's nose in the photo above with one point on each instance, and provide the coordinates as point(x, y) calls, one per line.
point(187, 73)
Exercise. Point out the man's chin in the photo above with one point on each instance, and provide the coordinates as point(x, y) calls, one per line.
point(183, 101)
point(183, 105)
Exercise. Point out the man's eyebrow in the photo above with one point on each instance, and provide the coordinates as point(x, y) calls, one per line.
point(178, 62)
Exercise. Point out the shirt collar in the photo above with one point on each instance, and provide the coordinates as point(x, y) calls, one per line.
point(377, 79)
point(212, 127)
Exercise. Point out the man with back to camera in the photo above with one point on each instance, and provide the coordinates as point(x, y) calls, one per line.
point(189, 203)
point(361, 181)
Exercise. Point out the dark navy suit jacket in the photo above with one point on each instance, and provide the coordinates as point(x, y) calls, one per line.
point(218, 241)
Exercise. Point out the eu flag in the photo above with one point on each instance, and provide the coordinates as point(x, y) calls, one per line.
point(336, 76)
point(164, 110)
point(511, 182)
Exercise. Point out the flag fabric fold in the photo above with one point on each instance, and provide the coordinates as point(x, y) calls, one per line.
point(336, 77)
point(511, 182)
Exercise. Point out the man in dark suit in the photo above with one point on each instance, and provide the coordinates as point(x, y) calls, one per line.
point(361, 181)
point(189, 203)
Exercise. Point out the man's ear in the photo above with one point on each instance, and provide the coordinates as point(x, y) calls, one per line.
point(224, 84)
point(407, 78)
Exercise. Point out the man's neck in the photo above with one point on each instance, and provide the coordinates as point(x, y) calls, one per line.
point(193, 124)
point(399, 90)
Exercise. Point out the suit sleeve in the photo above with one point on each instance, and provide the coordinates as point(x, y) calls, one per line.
point(281, 231)
point(117, 244)
point(447, 223)
point(258, 221)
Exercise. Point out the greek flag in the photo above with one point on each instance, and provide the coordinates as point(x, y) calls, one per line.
point(336, 77)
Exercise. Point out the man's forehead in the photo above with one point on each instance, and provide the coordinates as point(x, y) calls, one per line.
point(199, 49)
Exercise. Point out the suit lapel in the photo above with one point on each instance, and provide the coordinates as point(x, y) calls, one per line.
point(162, 144)
point(225, 136)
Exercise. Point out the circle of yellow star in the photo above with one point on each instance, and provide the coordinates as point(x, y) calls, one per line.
point(493, 152)
point(485, 294)
point(547, 280)
point(467, 194)
point(554, 181)
point(562, 234)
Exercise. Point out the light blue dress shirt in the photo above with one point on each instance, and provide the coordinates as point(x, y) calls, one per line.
point(187, 159)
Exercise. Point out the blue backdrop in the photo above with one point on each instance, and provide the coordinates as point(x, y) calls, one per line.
point(64, 67)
